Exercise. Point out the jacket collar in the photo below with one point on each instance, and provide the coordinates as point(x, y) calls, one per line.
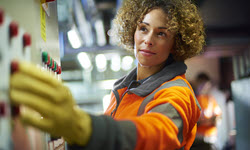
point(170, 71)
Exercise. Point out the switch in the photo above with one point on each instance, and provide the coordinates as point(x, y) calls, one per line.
point(26, 40)
point(55, 66)
point(13, 29)
point(50, 62)
point(45, 57)
point(1, 16)
point(59, 70)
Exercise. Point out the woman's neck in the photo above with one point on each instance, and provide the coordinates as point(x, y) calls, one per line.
point(144, 72)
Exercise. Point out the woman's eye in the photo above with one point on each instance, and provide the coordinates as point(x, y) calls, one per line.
point(143, 29)
point(161, 34)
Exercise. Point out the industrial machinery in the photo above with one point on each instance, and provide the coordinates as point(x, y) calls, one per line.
point(28, 31)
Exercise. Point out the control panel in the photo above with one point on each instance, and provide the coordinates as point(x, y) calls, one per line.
point(28, 32)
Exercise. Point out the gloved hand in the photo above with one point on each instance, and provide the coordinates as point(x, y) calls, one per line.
point(57, 112)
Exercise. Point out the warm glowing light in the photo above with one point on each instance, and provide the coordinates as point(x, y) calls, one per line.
point(116, 63)
point(101, 62)
point(127, 63)
point(84, 60)
point(74, 38)
point(100, 33)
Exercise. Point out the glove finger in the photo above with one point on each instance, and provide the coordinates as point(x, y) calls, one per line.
point(32, 85)
point(36, 72)
point(32, 101)
point(31, 118)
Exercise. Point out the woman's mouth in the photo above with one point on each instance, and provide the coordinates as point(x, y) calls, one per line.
point(146, 52)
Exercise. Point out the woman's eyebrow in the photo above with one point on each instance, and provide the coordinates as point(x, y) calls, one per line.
point(149, 25)
point(145, 23)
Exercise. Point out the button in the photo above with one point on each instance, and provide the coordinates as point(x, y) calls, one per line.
point(1, 16)
point(2, 109)
point(45, 57)
point(50, 62)
point(59, 70)
point(13, 29)
point(55, 66)
point(14, 67)
point(26, 40)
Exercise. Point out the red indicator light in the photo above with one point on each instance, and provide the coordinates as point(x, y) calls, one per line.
point(13, 29)
point(59, 70)
point(1, 16)
point(26, 40)
point(14, 67)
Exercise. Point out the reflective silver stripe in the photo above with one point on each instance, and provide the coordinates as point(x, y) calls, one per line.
point(149, 98)
point(168, 110)
point(129, 135)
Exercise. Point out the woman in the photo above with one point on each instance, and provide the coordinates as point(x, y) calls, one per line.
point(151, 108)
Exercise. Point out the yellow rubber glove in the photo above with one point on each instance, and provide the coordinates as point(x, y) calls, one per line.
point(57, 112)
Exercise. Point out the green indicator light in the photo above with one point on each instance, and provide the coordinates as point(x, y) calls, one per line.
point(51, 63)
point(45, 57)
point(54, 69)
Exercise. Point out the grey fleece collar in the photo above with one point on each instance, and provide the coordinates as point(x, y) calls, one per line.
point(167, 73)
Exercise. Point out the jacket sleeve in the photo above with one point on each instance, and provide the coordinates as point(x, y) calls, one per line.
point(109, 134)
point(168, 123)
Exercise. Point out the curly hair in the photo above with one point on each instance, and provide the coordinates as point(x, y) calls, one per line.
point(184, 20)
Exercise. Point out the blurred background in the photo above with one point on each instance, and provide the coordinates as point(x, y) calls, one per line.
point(91, 61)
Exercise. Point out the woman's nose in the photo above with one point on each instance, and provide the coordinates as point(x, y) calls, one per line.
point(149, 43)
point(149, 40)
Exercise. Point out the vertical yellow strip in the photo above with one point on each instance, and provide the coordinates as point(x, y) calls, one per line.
point(43, 21)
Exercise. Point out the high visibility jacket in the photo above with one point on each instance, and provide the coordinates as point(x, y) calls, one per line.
point(210, 109)
point(159, 113)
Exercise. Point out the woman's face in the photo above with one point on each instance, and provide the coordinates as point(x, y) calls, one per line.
point(153, 41)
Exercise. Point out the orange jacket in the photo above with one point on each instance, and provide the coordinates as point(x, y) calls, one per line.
point(207, 121)
point(158, 113)
point(168, 121)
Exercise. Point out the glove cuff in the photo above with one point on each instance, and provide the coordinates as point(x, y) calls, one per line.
point(83, 129)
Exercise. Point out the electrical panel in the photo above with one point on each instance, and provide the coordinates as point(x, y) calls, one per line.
point(29, 32)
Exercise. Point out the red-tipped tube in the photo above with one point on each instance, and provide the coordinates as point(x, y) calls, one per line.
point(14, 67)
point(59, 70)
point(26, 40)
point(15, 110)
point(13, 29)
